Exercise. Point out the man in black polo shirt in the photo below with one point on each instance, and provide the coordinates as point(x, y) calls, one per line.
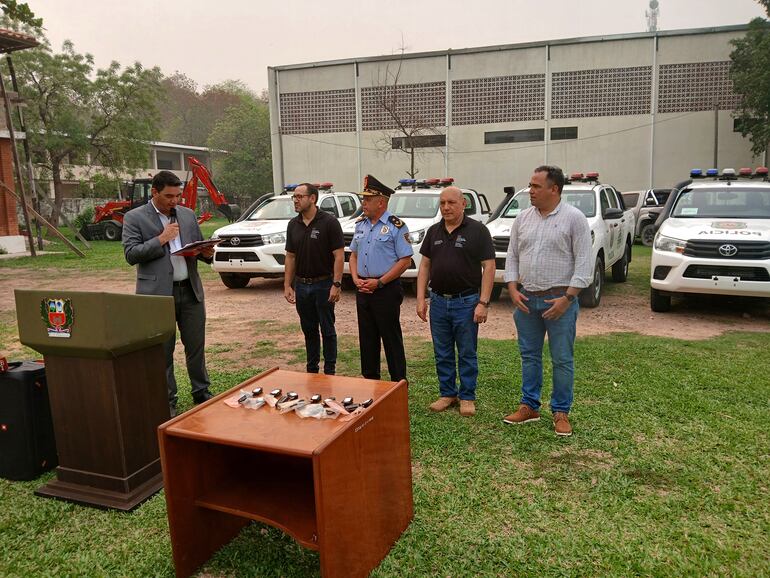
point(313, 275)
point(455, 251)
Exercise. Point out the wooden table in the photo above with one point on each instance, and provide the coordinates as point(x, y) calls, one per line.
point(342, 488)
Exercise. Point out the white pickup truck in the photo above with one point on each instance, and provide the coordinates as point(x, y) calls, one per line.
point(612, 231)
point(256, 245)
point(714, 238)
point(416, 202)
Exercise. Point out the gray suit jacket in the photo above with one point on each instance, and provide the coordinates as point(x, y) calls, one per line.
point(154, 272)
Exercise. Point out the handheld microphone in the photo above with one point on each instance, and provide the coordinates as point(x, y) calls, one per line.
point(172, 215)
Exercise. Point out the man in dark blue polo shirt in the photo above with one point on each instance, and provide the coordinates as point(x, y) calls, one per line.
point(313, 275)
point(459, 261)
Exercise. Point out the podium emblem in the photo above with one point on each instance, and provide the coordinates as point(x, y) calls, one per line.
point(58, 316)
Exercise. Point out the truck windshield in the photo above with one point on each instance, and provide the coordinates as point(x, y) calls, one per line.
point(583, 200)
point(728, 202)
point(414, 205)
point(277, 208)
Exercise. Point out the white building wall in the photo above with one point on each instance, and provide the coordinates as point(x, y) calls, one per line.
point(626, 149)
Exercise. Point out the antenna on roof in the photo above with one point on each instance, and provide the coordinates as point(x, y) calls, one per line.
point(652, 16)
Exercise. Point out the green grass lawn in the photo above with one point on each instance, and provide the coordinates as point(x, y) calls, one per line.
point(666, 475)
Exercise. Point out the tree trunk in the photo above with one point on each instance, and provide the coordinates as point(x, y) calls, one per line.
point(412, 172)
point(58, 192)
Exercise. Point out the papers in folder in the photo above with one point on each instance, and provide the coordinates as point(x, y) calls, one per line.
point(192, 249)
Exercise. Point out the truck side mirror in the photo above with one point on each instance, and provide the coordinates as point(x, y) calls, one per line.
point(612, 213)
point(650, 202)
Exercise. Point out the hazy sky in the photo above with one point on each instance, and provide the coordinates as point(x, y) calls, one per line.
point(238, 39)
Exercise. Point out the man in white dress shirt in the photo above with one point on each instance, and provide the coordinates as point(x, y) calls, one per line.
point(548, 264)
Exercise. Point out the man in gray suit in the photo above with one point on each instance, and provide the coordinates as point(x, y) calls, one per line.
point(150, 234)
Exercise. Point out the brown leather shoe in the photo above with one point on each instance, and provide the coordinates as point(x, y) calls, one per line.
point(467, 407)
point(561, 424)
point(443, 403)
point(524, 414)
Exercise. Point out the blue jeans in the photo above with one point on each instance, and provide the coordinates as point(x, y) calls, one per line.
point(532, 329)
point(314, 309)
point(451, 324)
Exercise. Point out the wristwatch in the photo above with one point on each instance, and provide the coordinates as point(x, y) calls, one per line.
point(570, 298)
point(337, 284)
point(484, 303)
point(380, 284)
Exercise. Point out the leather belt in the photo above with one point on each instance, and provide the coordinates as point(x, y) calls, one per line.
point(551, 291)
point(182, 283)
point(465, 293)
point(311, 280)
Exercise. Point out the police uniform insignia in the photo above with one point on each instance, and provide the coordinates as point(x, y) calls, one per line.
point(385, 229)
point(396, 221)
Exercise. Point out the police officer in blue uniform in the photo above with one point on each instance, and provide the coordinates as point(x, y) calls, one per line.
point(381, 252)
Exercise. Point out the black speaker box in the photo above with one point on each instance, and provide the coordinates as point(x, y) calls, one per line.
point(27, 444)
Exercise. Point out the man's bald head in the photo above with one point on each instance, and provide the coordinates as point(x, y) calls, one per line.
point(452, 205)
point(452, 192)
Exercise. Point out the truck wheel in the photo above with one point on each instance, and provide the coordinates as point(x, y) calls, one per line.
point(620, 268)
point(496, 291)
point(234, 280)
point(592, 295)
point(659, 301)
point(647, 234)
point(112, 230)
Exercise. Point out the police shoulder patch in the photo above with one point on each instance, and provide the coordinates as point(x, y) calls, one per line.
point(396, 221)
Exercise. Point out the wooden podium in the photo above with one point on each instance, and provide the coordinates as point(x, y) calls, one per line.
point(342, 488)
point(106, 374)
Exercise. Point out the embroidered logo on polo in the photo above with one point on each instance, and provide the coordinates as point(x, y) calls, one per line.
point(460, 241)
point(314, 233)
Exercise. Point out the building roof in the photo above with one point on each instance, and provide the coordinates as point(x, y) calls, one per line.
point(503, 47)
point(10, 41)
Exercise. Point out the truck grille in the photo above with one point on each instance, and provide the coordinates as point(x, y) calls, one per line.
point(499, 263)
point(501, 244)
point(709, 271)
point(227, 255)
point(348, 238)
point(243, 241)
point(745, 249)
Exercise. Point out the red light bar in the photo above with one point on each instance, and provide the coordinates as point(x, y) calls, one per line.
point(744, 171)
point(593, 175)
point(432, 181)
point(576, 176)
point(761, 171)
point(326, 185)
point(448, 181)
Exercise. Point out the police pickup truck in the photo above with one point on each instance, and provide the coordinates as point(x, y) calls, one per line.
point(255, 246)
point(612, 230)
point(416, 202)
point(714, 237)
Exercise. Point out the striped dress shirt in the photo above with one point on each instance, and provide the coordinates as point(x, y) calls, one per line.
point(550, 251)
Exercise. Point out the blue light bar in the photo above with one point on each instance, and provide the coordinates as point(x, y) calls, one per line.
point(712, 172)
point(407, 181)
point(696, 173)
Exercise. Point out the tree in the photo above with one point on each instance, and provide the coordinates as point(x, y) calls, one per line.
point(105, 118)
point(20, 13)
point(187, 115)
point(750, 73)
point(245, 167)
point(411, 125)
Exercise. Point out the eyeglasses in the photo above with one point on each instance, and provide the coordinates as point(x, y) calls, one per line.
point(298, 197)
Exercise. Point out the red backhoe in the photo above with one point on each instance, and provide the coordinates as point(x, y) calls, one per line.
point(108, 218)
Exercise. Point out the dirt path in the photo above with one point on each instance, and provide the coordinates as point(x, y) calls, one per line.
point(258, 317)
